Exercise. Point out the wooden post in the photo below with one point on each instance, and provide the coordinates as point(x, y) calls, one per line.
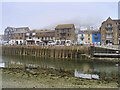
point(63, 53)
point(59, 52)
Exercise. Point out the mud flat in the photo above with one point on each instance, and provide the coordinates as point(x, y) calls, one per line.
point(48, 78)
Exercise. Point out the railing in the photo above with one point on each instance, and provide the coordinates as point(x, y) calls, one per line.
point(108, 31)
point(109, 26)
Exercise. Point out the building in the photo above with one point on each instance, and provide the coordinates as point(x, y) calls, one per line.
point(88, 37)
point(36, 37)
point(30, 37)
point(65, 33)
point(1, 39)
point(81, 37)
point(96, 37)
point(7, 33)
point(110, 32)
point(9, 30)
point(18, 37)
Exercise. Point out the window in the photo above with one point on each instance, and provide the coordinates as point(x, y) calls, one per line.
point(109, 35)
point(16, 37)
point(109, 30)
point(88, 38)
point(29, 37)
point(119, 35)
point(19, 34)
point(58, 35)
point(68, 34)
point(20, 37)
point(38, 37)
point(42, 37)
point(57, 30)
point(68, 30)
point(88, 35)
point(109, 25)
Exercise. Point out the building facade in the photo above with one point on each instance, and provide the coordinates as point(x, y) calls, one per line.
point(7, 33)
point(36, 37)
point(65, 33)
point(18, 37)
point(1, 39)
point(81, 37)
point(110, 32)
point(88, 37)
point(9, 30)
point(96, 37)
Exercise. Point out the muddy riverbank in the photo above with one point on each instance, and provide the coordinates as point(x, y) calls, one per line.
point(49, 78)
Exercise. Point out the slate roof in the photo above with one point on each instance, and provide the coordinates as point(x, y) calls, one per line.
point(65, 26)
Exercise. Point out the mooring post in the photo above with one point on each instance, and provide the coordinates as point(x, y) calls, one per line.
point(59, 51)
point(63, 52)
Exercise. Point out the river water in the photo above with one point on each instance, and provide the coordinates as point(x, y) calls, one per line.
point(81, 68)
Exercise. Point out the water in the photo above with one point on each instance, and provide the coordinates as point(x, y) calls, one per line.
point(81, 68)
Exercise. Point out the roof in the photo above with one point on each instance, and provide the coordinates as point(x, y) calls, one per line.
point(51, 34)
point(115, 20)
point(65, 26)
point(11, 27)
point(20, 31)
point(40, 31)
point(92, 31)
point(32, 31)
point(47, 31)
point(22, 28)
point(81, 32)
point(18, 28)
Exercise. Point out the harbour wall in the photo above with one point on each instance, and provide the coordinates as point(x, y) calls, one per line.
point(47, 51)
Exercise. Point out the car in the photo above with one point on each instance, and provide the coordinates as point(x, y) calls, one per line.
point(91, 44)
point(117, 52)
point(6, 43)
point(42, 43)
point(51, 43)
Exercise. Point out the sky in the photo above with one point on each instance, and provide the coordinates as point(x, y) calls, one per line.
point(46, 15)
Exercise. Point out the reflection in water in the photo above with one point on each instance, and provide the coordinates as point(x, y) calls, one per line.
point(88, 76)
point(84, 68)
point(2, 64)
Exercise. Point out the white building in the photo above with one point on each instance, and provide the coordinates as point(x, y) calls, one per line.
point(81, 37)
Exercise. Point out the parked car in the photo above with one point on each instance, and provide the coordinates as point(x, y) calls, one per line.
point(117, 52)
point(91, 44)
point(51, 43)
point(42, 43)
point(6, 43)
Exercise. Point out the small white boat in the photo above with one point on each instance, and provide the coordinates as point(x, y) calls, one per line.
point(87, 76)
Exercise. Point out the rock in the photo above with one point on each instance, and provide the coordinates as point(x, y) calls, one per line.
point(108, 78)
point(31, 72)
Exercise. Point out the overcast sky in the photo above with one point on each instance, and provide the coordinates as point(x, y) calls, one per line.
point(46, 15)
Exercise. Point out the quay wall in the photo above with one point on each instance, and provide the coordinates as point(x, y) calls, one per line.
point(62, 52)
